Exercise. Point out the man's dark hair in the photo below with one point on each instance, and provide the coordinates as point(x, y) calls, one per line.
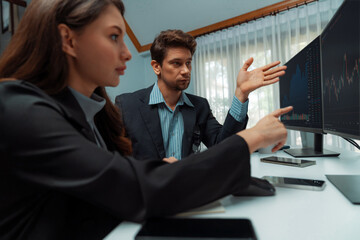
point(169, 39)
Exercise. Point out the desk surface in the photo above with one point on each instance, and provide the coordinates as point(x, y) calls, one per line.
point(291, 213)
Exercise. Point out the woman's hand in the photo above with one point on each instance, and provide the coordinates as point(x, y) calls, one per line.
point(268, 131)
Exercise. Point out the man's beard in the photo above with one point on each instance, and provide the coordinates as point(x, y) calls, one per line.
point(180, 86)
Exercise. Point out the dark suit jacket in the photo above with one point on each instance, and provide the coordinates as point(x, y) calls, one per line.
point(56, 183)
point(142, 124)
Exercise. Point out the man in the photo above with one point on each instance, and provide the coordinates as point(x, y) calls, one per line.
point(164, 122)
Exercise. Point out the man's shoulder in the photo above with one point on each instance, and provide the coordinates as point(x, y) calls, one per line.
point(141, 94)
point(197, 100)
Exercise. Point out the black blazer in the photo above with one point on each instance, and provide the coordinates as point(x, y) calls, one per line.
point(142, 124)
point(56, 183)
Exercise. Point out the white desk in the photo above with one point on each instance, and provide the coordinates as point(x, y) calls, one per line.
point(291, 213)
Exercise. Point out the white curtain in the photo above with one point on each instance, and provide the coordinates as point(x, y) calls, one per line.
point(220, 55)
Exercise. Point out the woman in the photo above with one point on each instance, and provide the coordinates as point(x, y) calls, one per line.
point(65, 166)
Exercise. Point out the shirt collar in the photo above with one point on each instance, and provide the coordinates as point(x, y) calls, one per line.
point(90, 106)
point(156, 97)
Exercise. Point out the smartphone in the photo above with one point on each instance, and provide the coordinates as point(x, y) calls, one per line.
point(294, 162)
point(299, 183)
point(197, 228)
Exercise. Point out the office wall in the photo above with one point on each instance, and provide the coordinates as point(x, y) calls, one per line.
point(150, 76)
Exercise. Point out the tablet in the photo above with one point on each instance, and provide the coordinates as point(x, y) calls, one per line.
point(196, 228)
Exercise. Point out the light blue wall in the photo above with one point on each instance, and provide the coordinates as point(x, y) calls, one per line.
point(150, 76)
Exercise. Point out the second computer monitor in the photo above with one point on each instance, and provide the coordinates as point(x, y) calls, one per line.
point(340, 42)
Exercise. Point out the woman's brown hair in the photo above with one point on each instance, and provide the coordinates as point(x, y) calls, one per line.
point(35, 54)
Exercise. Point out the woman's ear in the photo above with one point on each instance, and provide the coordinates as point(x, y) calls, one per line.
point(156, 67)
point(67, 39)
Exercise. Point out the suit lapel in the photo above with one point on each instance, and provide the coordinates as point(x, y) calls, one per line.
point(151, 120)
point(74, 113)
point(189, 117)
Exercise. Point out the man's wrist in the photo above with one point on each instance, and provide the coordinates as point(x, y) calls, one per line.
point(241, 96)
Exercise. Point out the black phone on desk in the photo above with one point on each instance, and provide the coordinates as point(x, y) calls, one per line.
point(299, 183)
point(294, 162)
point(196, 228)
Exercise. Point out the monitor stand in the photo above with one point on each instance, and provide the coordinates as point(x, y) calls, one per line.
point(317, 151)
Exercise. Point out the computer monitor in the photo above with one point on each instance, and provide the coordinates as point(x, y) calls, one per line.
point(340, 70)
point(300, 87)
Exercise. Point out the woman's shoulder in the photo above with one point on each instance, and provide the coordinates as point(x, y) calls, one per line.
point(25, 109)
point(18, 95)
point(9, 84)
point(19, 89)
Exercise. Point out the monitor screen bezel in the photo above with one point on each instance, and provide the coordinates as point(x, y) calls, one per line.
point(304, 129)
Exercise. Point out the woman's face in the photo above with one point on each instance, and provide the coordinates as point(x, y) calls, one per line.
point(100, 52)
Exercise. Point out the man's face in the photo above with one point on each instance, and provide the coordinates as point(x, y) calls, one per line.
point(175, 71)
